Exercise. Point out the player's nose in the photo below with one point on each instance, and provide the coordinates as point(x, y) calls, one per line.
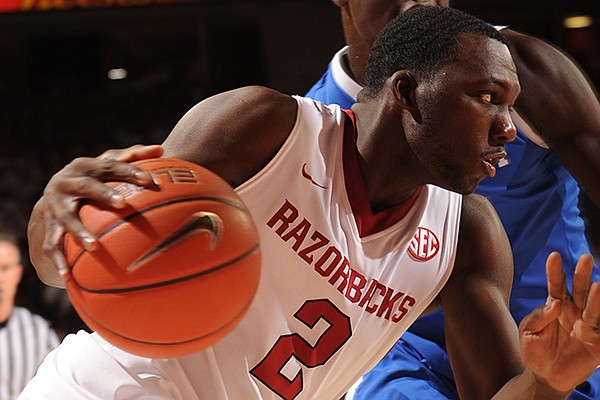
point(503, 130)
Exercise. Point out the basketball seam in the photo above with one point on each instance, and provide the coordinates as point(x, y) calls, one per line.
point(137, 213)
point(242, 311)
point(172, 281)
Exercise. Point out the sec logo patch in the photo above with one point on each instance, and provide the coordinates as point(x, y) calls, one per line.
point(424, 244)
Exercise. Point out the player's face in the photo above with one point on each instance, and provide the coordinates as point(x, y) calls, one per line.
point(465, 115)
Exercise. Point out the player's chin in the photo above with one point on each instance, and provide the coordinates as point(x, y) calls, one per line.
point(462, 183)
point(470, 186)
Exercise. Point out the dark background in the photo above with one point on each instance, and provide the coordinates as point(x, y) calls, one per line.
point(57, 103)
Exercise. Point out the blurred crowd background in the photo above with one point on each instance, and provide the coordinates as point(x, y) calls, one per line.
point(78, 77)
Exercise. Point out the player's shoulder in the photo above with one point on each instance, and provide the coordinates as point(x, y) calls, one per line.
point(479, 220)
point(473, 202)
point(482, 242)
point(262, 96)
point(236, 108)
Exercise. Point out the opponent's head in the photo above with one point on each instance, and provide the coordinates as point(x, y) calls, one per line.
point(11, 269)
point(452, 76)
point(363, 19)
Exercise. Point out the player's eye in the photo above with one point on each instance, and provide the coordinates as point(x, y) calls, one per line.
point(487, 97)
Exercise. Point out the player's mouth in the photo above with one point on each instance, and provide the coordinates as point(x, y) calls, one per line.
point(493, 159)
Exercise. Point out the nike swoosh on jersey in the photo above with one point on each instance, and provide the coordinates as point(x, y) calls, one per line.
point(310, 178)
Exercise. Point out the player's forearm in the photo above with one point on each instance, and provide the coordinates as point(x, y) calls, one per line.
point(525, 386)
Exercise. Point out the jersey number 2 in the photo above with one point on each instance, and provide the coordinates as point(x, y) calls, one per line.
point(268, 371)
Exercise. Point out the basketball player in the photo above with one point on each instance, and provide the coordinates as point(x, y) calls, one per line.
point(365, 221)
point(25, 338)
point(535, 195)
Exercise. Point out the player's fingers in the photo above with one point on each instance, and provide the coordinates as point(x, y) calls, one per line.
point(557, 286)
point(133, 153)
point(62, 204)
point(52, 248)
point(73, 225)
point(59, 219)
point(591, 313)
point(64, 194)
point(144, 152)
point(106, 170)
point(540, 317)
point(582, 280)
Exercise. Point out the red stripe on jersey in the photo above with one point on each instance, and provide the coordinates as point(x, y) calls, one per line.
point(367, 222)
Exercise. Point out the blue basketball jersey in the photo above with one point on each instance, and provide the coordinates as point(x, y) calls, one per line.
point(534, 195)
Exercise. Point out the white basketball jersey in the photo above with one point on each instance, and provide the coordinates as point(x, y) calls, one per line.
point(330, 303)
point(338, 286)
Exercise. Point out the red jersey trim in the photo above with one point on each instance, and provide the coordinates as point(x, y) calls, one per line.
point(367, 222)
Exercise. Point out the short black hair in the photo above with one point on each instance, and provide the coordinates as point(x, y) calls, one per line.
point(421, 40)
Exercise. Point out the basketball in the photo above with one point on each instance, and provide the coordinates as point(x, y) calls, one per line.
point(174, 271)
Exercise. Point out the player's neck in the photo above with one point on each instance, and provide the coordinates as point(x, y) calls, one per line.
point(389, 178)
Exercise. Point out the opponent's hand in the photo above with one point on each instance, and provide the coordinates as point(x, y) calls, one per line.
point(560, 341)
point(57, 210)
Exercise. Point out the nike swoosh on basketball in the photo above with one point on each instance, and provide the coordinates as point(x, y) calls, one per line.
point(200, 222)
point(310, 178)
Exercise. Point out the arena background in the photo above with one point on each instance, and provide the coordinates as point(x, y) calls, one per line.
point(80, 76)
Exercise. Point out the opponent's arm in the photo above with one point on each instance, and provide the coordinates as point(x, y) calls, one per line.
point(559, 101)
point(561, 104)
point(234, 134)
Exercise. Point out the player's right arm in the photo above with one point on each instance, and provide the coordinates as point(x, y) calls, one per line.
point(234, 134)
point(555, 348)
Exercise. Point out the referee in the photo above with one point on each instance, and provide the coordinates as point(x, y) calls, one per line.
point(25, 338)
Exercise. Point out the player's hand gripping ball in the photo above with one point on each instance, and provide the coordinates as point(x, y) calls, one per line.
point(174, 271)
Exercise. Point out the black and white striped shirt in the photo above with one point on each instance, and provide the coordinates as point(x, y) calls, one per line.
point(25, 339)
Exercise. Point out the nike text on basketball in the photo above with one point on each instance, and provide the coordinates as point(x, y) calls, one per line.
point(174, 175)
point(160, 175)
point(128, 189)
point(327, 260)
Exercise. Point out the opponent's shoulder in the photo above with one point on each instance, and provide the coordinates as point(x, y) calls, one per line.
point(536, 57)
point(555, 91)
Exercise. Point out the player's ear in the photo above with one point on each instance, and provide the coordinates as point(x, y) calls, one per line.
point(405, 86)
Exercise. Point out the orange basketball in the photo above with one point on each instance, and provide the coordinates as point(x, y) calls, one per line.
point(174, 271)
